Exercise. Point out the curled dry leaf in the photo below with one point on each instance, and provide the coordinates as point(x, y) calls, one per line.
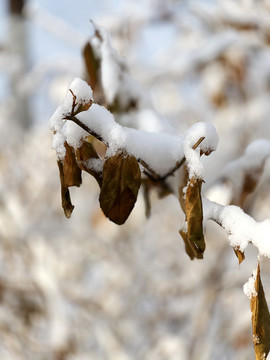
point(71, 171)
point(188, 248)
point(194, 215)
point(260, 320)
point(83, 107)
point(120, 186)
point(240, 255)
point(182, 201)
point(92, 64)
point(65, 196)
point(70, 175)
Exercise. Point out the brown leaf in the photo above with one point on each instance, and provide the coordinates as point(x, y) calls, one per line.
point(65, 196)
point(183, 183)
point(194, 214)
point(188, 248)
point(83, 107)
point(71, 171)
point(240, 255)
point(120, 186)
point(260, 320)
point(92, 64)
point(83, 155)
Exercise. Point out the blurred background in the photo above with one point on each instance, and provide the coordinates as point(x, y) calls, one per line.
point(85, 288)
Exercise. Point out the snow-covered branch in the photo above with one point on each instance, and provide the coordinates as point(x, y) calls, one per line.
point(160, 151)
point(241, 228)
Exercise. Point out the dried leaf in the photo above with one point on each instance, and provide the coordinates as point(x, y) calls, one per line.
point(120, 186)
point(182, 199)
point(240, 255)
point(92, 64)
point(188, 248)
point(194, 214)
point(71, 171)
point(83, 107)
point(99, 147)
point(83, 155)
point(260, 320)
point(65, 196)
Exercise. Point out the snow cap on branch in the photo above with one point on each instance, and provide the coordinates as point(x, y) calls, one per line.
point(160, 151)
point(71, 133)
point(199, 130)
point(241, 228)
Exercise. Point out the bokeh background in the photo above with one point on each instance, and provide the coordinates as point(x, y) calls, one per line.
point(85, 288)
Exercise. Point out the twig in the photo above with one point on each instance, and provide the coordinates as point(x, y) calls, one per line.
point(84, 127)
point(74, 102)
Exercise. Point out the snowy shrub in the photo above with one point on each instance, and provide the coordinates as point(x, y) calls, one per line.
point(90, 134)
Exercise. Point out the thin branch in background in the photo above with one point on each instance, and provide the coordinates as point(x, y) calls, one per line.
point(16, 7)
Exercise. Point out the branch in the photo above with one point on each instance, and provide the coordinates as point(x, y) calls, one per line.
point(241, 228)
point(150, 172)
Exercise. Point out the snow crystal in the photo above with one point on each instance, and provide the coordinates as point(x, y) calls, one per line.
point(256, 339)
point(249, 286)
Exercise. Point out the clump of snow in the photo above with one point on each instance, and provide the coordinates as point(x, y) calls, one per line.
point(68, 131)
point(73, 134)
point(210, 142)
point(110, 69)
point(256, 340)
point(239, 226)
point(95, 164)
point(58, 145)
point(82, 90)
point(159, 151)
point(261, 240)
point(249, 286)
